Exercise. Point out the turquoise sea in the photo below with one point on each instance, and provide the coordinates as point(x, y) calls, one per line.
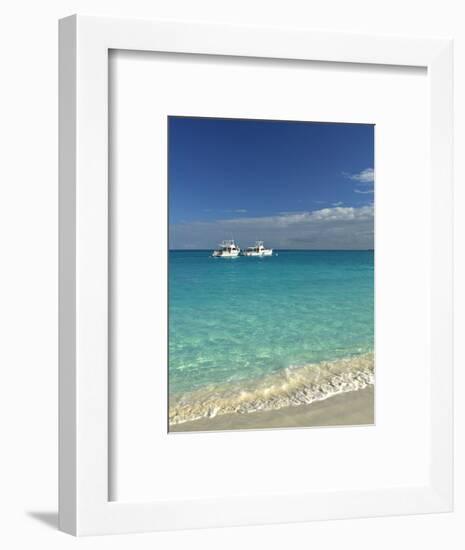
point(255, 333)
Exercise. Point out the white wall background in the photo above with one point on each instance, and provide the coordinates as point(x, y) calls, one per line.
point(28, 267)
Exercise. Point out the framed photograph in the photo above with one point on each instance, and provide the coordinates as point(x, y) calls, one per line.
point(255, 275)
point(258, 342)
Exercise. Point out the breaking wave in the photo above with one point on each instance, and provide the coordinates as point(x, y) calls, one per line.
point(292, 386)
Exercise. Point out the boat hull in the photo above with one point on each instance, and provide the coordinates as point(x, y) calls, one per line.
point(268, 252)
point(225, 254)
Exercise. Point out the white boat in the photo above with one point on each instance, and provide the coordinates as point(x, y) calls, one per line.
point(227, 249)
point(258, 250)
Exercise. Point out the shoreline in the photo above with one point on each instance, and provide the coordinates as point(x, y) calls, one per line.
point(284, 389)
point(350, 408)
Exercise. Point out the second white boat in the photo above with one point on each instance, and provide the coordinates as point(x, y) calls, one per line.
point(258, 250)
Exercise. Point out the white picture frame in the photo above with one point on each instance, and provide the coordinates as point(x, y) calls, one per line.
point(84, 504)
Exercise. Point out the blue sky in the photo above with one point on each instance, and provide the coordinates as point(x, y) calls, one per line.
point(292, 184)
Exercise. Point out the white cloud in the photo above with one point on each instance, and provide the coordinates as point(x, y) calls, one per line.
point(364, 191)
point(365, 176)
point(338, 203)
point(337, 213)
point(235, 210)
point(331, 228)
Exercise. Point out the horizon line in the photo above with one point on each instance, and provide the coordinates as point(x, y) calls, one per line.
point(292, 249)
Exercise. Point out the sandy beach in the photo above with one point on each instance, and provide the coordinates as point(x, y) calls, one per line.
point(344, 409)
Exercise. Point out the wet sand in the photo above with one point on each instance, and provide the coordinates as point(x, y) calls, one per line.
point(345, 409)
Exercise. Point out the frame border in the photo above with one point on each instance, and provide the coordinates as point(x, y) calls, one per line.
point(84, 44)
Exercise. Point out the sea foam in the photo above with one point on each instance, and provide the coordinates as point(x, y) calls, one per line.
point(293, 386)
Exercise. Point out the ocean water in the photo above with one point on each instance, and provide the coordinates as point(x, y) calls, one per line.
point(260, 333)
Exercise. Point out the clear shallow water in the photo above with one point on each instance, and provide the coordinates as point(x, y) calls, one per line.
point(246, 322)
